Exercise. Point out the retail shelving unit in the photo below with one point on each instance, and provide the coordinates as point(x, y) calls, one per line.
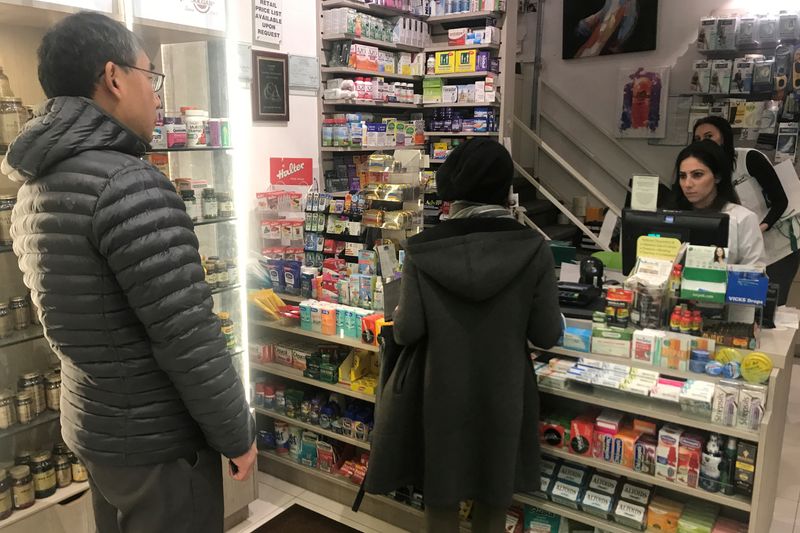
point(756, 510)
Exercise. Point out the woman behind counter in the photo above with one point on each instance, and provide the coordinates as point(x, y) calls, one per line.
point(761, 191)
point(703, 183)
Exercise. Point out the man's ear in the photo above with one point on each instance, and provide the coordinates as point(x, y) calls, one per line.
point(109, 78)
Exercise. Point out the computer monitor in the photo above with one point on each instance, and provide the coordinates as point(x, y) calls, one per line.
point(703, 229)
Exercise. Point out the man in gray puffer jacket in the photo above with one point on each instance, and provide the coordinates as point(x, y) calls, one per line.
point(149, 393)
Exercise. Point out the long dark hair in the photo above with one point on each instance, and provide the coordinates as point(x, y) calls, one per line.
point(725, 130)
point(714, 157)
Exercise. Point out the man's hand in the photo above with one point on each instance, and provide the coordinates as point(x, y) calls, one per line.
point(243, 464)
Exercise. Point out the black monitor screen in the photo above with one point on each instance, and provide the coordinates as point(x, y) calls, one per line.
point(702, 229)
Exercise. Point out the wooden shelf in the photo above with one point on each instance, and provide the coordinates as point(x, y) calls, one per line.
point(629, 403)
point(683, 374)
point(229, 288)
point(311, 427)
point(444, 47)
point(374, 42)
point(30, 333)
point(461, 134)
point(370, 148)
point(463, 104)
point(198, 149)
point(293, 374)
point(70, 491)
point(206, 222)
point(735, 502)
point(347, 71)
point(469, 15)
point(579, 516)
point(462, 75)
point(45, 418)
point(372, 9)
point(371, 103)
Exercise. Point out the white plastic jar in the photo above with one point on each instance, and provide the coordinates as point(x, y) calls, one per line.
point(196, 120)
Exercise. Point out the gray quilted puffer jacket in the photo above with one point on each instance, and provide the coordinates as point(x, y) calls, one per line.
point(111, 259)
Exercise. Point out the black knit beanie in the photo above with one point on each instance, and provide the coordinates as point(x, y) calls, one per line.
point(480, 170)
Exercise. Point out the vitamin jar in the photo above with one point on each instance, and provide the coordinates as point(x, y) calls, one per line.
point(52, 389)
point(33, 383)
point(24, 405)
point(6, 206)
point(210, 206)
point(6, 501)
point(44, 475)
point(63, 471)
point(79, 473)
point(19, 310)
point(7, 410)
point(6, 321)
point(196, 120)
point(192, 207)
point(22, 487)
point(12, 117)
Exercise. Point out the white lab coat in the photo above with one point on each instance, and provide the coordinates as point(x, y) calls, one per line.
point(745, 242)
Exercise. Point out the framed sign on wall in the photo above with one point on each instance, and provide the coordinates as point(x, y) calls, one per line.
point(270, 86)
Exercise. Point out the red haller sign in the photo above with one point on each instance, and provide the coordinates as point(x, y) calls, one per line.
point(291, 171)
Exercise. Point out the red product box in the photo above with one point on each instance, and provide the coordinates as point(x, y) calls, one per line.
point(603, 443)
point(581, 435)
point(689, 456)
point(552, 434)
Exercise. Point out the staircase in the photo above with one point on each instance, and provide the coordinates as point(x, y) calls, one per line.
point(543, 213)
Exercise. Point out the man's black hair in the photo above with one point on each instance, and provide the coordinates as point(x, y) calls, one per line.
point(74, 53)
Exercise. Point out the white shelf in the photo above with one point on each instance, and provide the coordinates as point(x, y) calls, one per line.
point(462, 75)
point(61, 494)
point(35, 14)
point(463, 104)
point(44, 418)
point(30, 333)
point(629, 403)
point(370, 148)
point(735, 502)
point(374, 42)
point(349, 485)
point(347, 71)
point(469, 15)
point(311, 427)
point(344, 341)
point(437, 161)
point(371, 103)
point(444, 47)
point(156, 31)
point(461, 134)
point(368, 8)
point(567, 512)
point(294, 374)
point(684, 374)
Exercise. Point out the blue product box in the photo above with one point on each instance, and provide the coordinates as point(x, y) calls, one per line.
point(482, 61)
point(747, 287)
point(577, 339)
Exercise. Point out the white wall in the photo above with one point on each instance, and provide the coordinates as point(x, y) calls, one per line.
point(300, 136)
point(590, 84)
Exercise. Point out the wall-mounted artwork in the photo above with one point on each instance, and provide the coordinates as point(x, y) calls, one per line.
point(602, 27)
point(642, 108)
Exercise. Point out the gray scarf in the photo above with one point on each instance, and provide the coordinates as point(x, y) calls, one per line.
point(464, 209)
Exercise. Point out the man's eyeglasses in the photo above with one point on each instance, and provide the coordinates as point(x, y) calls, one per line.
point(156, 78)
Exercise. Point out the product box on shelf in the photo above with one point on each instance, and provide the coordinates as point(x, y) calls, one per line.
point(667, 452)
point(465, 60)
point(742, 77)
point(445, 62)
point(701, 76)
point(745, 467)
point(645, 454)
point(726, 33)
point(746, 286)
point(597, 503)
point(689, 453)
point(720, 76)
point(611, 341)
point(707, 35)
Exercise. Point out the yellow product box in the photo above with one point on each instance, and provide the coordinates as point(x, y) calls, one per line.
point(466, 60)
point(445, 63)
point(365, 385)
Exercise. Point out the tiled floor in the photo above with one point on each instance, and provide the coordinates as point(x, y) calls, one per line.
point(276, 495)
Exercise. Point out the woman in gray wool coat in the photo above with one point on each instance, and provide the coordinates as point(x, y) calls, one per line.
point(477, 288)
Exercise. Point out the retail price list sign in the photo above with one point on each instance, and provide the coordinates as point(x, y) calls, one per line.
point(268, 22)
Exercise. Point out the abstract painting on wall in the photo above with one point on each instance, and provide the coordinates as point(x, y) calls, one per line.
point(642, 107)
point(603, 27)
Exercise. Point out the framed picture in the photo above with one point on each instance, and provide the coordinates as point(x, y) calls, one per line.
point(270, 86)
point(642, 102)
point(600, 27)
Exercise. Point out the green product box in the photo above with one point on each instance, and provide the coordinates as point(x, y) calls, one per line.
point(704, 284)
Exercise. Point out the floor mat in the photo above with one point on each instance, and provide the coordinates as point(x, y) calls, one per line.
point(298, 519)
